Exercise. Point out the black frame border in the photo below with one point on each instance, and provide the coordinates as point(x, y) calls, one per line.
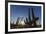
point(6, 16)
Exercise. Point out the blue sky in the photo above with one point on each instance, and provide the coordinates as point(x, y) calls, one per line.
point(22, 11)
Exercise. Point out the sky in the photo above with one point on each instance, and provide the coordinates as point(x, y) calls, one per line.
point(22, 11)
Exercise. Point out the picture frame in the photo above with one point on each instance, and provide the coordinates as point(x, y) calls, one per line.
point(23, 3)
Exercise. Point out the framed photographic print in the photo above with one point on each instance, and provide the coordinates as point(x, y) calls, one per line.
point(23, 16)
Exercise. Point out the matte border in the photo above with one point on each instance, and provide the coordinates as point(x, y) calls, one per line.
point(6, 16)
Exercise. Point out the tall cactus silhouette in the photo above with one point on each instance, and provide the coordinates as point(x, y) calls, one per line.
point(28, 20)
point(33, 17)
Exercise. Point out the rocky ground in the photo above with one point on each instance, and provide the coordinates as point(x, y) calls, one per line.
point(23, 26)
